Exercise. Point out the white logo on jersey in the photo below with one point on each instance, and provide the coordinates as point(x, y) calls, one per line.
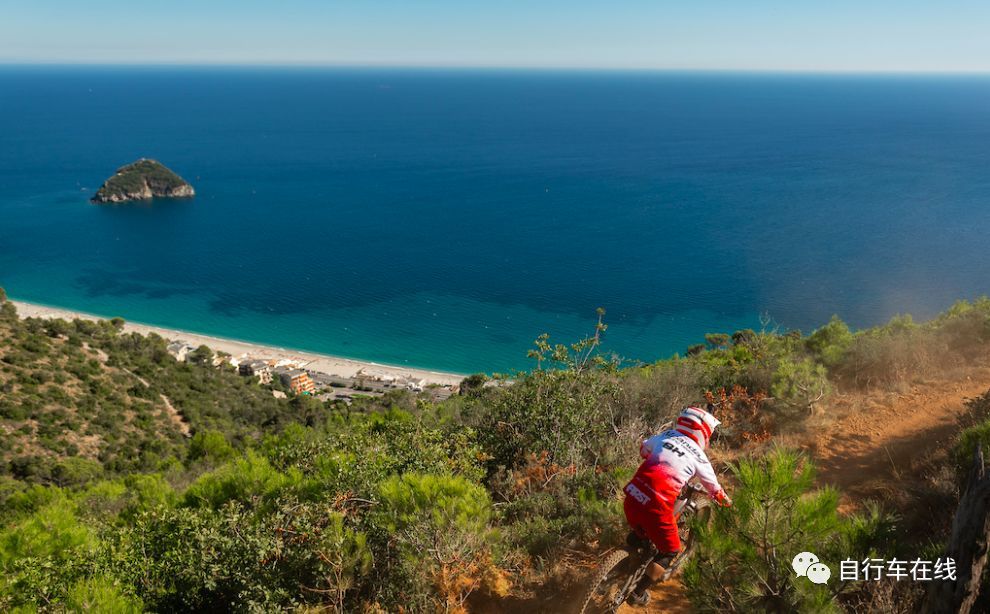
point(637, 494)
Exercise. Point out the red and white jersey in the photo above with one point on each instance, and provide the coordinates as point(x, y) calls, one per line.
point(672, 459)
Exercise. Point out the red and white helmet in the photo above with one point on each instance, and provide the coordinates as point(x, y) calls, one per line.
point(697, 424)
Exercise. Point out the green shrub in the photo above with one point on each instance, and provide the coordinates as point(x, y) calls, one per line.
point(43, 554)
point(201, 560)
point(76, 471)
point(744, 337)
point(830, 342)
point(798, 385)
point(145, 492)
point(412, 499)
point(31, 468)
point(716, 341)
point(251, 480)
point(202, 355)
point(438, 528)
point(561, 412)
point(101, 594)
point(342, 558)
point(210, 446)
point(743, 563)
point(547, 510)
point(52, 531)
point(473, 384)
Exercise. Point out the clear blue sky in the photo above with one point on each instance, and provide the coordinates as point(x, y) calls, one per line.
point(842, 35)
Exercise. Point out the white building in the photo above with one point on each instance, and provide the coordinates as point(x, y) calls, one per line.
point(179, 350)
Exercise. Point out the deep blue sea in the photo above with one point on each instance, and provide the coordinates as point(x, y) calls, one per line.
point(445, 218)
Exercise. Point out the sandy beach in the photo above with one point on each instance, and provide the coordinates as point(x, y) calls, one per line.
point(332, 365)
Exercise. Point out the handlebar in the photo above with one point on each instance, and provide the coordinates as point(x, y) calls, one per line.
point(691, 488)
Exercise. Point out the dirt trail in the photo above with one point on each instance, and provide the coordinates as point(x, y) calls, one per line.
point(175, 416)
point(667, 598)
point(870, 450)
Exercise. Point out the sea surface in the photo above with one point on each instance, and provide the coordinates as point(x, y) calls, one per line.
point(445, 218)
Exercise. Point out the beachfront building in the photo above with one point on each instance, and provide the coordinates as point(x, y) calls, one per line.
point(179, 350)
point(256, 368)
point(297, 380)
point(411, 383)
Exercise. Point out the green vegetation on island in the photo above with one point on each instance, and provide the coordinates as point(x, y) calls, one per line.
point(132, 482)
point(143, 180)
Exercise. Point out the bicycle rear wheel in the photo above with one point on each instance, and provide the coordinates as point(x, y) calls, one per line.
point(608, 586)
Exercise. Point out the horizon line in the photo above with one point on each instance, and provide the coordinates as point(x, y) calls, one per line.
point(487, 67)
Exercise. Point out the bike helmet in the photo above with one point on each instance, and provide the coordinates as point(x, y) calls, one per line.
point(697, 424)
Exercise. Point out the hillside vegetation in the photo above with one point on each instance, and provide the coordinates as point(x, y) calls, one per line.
point(133, 482)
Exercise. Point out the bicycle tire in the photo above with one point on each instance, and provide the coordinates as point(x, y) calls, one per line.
point(612, 573)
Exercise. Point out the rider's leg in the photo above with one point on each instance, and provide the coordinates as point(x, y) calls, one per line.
point(663, 533)
point(655, 571)
point(635, 540)
point(660, 526)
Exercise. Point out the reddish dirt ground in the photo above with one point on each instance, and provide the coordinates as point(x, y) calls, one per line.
point(667, 598)
point(871, 449)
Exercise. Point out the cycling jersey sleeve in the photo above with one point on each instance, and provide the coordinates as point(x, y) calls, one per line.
point(706, 473)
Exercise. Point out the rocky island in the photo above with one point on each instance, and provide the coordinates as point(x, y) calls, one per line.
point(143, 180)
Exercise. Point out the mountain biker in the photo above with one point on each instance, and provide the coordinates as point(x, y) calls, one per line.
point(672, 458)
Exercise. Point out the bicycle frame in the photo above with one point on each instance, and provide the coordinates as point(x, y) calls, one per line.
point(684, 500)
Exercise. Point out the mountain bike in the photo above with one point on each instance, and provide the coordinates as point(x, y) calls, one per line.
point(622, 569)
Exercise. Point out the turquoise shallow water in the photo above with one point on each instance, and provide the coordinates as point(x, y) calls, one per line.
point(444, 219)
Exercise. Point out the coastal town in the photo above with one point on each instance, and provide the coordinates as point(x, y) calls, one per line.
point(302, 376)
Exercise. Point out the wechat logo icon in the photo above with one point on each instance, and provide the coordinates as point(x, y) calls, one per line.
point(807, 564)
